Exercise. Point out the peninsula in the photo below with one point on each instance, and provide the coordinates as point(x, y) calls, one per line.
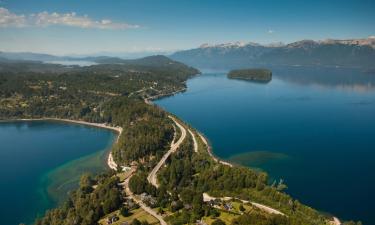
point(162, 170)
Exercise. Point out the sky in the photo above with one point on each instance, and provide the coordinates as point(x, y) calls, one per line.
point(92, 26)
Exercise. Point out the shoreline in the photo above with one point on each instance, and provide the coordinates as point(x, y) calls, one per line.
point(334, 220)
point(113, 165)
point(149, 100)
point(209, 150)
point(99, 125)
point(110, 161)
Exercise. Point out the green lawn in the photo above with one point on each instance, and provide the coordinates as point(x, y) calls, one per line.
point(138, 214)
point(226, 216)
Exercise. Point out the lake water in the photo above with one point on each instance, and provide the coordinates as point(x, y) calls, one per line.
point(40, 162)
point(312, 127)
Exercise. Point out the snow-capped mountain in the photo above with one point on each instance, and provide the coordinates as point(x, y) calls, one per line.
point(330, 52)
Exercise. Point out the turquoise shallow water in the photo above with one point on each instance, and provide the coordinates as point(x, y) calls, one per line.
point(41, 161)
point(312, 127)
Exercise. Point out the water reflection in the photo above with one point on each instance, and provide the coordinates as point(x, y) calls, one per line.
point(339, 78)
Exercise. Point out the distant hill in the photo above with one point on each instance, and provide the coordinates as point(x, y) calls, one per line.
point(345, 53)
point(158, 63)
point(29, 56)
point(104, 57)
point(157, 60)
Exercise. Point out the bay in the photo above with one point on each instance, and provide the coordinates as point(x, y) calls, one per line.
point(312, 127)
point(40, 162)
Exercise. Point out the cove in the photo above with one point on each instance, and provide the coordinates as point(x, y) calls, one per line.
point(41, 161)
point(312, 127)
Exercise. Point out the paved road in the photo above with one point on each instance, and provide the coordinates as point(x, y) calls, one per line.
point(194, 140)
point(152, 178)
point(265, 208)
point(130, 194)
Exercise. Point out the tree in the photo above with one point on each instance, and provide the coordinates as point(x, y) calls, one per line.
point(86, 183)
point(160, 210)
point(176, 205)
point(136, 222)
point(144, 222)
point(218, 222)
point(197, 203)
point(125, 211)
point(214, 213)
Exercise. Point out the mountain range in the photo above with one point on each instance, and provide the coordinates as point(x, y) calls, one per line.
point(358, 53)
point(339, 53)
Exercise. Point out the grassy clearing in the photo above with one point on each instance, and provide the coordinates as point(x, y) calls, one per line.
point(227, 217)
point(138, 214)
point(123, 175)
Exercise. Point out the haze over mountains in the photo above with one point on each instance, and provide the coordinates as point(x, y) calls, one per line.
point(344, 53)
point(30, 56)
point(359, 53)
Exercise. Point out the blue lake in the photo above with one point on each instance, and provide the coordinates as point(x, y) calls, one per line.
point(40, 162)
point(312, 127)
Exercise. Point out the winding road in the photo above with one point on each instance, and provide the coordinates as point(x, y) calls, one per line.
point(152, 178)
point(194, 140)
point(207, 198)
point(149, 210)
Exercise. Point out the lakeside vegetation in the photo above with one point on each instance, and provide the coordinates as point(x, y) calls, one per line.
point(258, 75)
point(114, 94)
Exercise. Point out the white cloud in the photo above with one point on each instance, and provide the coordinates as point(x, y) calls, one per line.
point(45, 19)
point(270, 31)
point(8, 19)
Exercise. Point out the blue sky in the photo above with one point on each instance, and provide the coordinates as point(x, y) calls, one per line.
point(90, 26)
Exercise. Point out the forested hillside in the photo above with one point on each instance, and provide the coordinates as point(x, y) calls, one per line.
point(115, 94)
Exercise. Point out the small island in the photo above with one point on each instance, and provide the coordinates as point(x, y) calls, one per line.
point(258, 75)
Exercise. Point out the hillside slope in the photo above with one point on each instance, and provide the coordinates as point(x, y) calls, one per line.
point(344, 53)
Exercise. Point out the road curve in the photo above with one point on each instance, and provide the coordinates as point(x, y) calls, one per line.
point(130, 194)
point(152, 178)
point(194, 140)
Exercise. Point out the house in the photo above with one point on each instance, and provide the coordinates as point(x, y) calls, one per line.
point(130, 203)
point(143, 196)
point(200, 222)
point(228, 206)
point(148, 199)
point(126, 168)
point(112, 219)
